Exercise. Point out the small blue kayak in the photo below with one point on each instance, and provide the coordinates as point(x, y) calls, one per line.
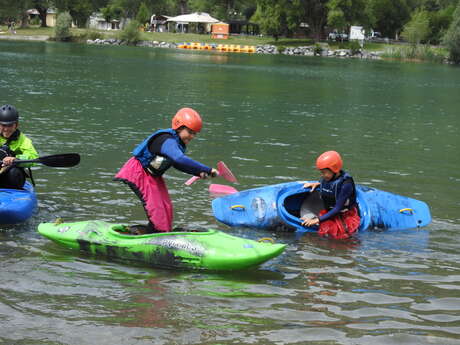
point(282, 205)
point(17, 205)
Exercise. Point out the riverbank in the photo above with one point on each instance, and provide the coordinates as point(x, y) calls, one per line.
point(308, 50)
point(258, 44)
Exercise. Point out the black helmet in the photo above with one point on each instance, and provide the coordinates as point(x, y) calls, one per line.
point(8, 115)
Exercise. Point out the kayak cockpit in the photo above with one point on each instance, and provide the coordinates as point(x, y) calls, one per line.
point(140, 230)
point(301, 203)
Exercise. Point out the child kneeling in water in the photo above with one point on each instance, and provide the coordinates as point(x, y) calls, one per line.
point(337, 189)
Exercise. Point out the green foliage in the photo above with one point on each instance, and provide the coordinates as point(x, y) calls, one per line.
point(89, 35)
point(143, 14)
point(418, 28)
point(271, 17)
point(354, 47)
point(452, 37)
point(318, 49)
point(130, 34)
point(336, 19)
point(112, 11)
point(389, 16)
point(80, 10)
point(417, 52)
point(62, 28)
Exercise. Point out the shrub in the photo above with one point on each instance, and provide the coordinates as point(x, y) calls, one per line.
point(62, 28)
point(354, 47)
point(452, 37)
point(318, 49)
point(130, 34)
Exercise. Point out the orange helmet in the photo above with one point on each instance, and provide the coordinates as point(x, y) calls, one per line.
point(189, 118)
point(329, 160)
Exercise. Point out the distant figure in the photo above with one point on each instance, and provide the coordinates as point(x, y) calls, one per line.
point(12, 27)
point(13, 145)
point(337, 189)
point(163, 149)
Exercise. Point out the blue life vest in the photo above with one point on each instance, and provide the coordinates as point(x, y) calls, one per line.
point(156, 165)
point(329, 191)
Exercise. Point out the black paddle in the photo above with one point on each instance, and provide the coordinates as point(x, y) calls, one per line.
point(63, 160)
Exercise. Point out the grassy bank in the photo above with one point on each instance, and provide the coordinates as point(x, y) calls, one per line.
point(182, 37)
point(421, 52)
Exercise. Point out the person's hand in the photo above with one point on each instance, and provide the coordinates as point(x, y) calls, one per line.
point(214, 173)
point(311, 185)
point(8, 161)
point(203, 175)
point(308, 222)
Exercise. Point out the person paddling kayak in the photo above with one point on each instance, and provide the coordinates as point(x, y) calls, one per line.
point(337, 189)
point(163, 149)
point(13, 145)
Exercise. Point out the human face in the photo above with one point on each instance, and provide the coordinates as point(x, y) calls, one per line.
point(327, 174)
point(186, 135)
point(7, 130)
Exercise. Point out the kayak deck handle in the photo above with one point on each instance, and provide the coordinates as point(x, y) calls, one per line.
point(409, 210)
point(266, 240)
point(237, 207)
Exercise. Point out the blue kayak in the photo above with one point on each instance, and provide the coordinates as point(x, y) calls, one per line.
point(17, 205)
point(281, 206)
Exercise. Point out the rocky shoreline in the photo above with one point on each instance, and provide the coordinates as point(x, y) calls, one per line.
point(260, 49)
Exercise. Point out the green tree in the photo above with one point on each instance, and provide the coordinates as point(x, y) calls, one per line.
point(14, 10)
point(130, 34)
point(389, 16)
point(452, 37)
point(62, 28)
point(418, 28)
point(143, 14)
point(344, 13)
point(271, 17)
point(80, 10)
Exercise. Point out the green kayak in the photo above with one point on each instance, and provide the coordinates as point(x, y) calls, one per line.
point(208, 249)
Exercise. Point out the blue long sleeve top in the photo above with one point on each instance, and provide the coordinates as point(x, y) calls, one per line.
point(345, 193)
point(167, 146)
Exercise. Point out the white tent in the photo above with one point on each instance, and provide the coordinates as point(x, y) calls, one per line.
point(197, 17)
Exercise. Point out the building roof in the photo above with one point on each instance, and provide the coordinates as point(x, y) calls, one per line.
point(197, 17)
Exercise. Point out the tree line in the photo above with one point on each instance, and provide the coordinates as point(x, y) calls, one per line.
point(275, 17)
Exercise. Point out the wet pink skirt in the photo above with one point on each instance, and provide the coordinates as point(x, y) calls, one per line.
point(152, 192)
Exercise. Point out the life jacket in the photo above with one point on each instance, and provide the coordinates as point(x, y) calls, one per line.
point(5, 150)
point(329, 191)
point(156, 165)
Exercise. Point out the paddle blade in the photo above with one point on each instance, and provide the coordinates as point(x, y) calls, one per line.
point(220, 189)
point(191, 180)
point(63, 160)
point(225, 172)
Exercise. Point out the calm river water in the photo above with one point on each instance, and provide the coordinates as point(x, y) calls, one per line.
point(268, 117)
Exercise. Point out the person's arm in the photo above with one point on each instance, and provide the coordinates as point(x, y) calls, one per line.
point(182, 162)
point(345, 193)
point(27, 150)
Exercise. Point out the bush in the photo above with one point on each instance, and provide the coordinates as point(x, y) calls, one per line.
point(354, 47)
point(318, 49)
point(130, 34)
point(62, 28)
point(90, 35)
point(452, 37)
point(420, 52)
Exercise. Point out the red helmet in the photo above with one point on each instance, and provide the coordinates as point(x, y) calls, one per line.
point(329, 160)
point(189, 118)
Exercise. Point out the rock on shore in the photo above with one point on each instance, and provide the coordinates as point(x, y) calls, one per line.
point(260, 49)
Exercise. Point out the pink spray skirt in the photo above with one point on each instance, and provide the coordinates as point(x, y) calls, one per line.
point(152, 192)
